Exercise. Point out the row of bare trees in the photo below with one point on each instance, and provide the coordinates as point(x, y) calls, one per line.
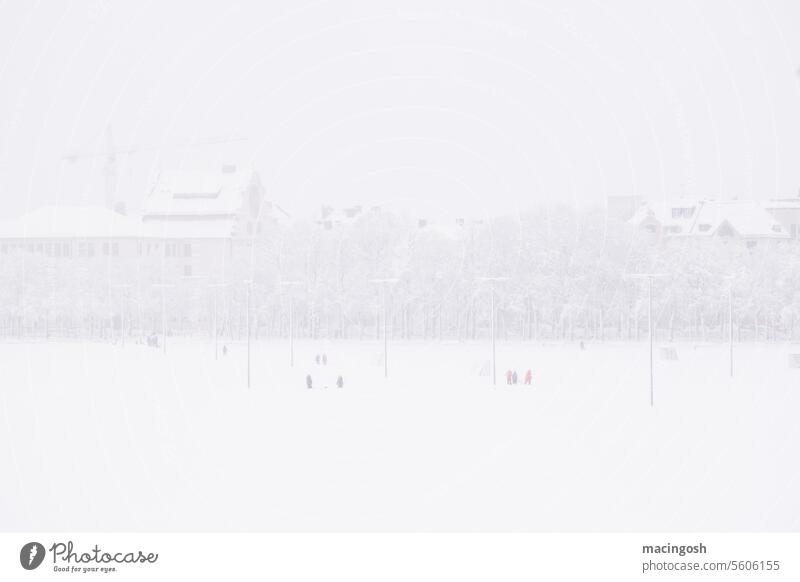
point(564, 277)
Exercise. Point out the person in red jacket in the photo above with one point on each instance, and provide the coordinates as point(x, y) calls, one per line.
point(528, 377)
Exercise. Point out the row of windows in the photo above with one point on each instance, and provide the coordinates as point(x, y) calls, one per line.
point(80, 249)
point(685, 212)
point(90, 249)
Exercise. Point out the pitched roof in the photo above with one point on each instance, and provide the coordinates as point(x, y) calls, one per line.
point(748, 218)
point(782, 204)
point(190, 193)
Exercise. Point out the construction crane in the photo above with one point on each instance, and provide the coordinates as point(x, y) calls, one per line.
point(111, 153)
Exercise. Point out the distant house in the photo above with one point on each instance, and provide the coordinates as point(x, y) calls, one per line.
point(226, 203)
point(191, 226)
point(745, 220)
point(71, 231)
point(200, 218)
point(787, 212)
point(330, 217)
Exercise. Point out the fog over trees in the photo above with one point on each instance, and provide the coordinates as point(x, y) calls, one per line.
point(566, 276)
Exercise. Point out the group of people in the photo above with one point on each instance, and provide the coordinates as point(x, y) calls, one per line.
point(512, 378)
point(310, 381)
point(323, 359)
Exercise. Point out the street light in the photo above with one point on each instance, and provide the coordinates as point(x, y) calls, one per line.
point(492, 281)
point(163, 287)
point(122, 288)
point(216, 286)
point(384, 283)
point(193, 279)
point(730, 278)
point(291, 319)
point(649, 277)
point(249, 283)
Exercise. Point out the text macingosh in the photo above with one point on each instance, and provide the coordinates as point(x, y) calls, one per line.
point(66, 553)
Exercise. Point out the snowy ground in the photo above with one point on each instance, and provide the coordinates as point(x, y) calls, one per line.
point(100, 437)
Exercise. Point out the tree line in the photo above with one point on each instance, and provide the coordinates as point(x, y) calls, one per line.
point(557, 274)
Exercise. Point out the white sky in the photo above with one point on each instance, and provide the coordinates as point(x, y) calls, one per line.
point(474, 107)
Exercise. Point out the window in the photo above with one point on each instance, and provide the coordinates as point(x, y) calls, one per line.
point(751, 244)
point(650, 227)
point(115, 249)
point(704, 227)
point(187, 250)
point(776, 227)
point(187, 270)
point(683, 212)
point(105, 248)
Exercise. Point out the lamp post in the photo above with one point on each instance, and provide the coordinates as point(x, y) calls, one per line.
point(729, 278)
point(249, 284)
point(216, 286)
point(291, 319)
point(730, 326)
point(649, 277)
point(163, 287)
point(384, 284)
point(122, 288)
point(492, 281)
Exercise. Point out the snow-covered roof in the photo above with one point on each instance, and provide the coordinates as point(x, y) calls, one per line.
point(747, 218)
point(783, 204)
point(71, 222)
point(192, 193)
point(703, 218)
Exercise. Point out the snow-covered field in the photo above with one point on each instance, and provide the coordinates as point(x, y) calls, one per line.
point(102, 437)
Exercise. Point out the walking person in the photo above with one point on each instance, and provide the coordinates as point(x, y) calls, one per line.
point(514, 377)
point(528, 377)
point(317, 359)
point(308, 381)
point(340, 382)
point(324, 359)
point(508, 377)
